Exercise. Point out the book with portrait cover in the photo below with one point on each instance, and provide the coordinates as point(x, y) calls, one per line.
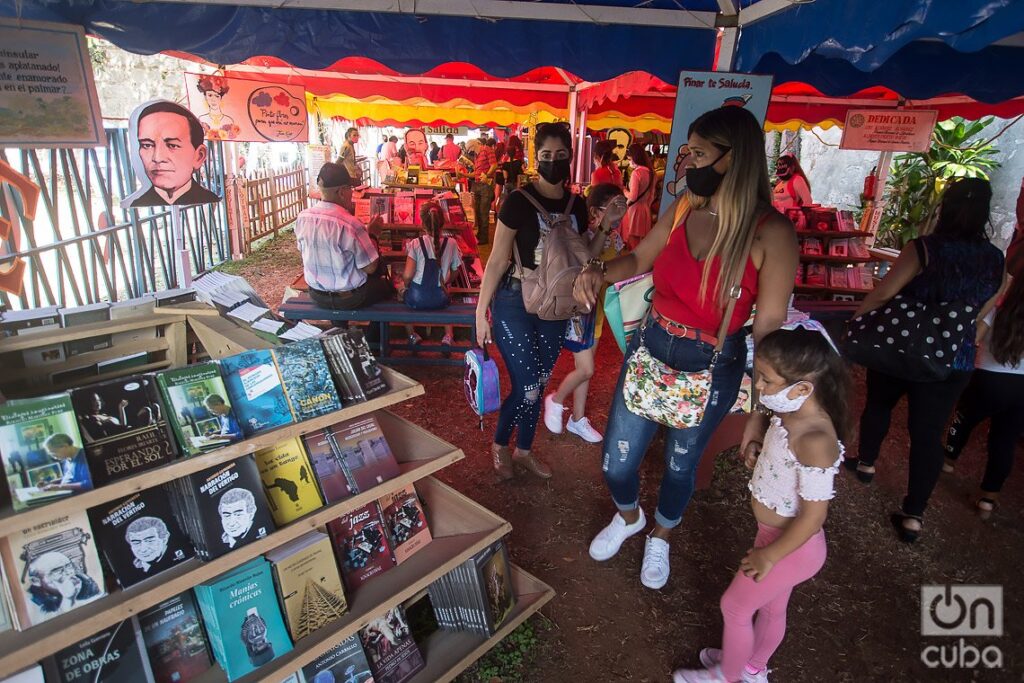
point(344, 663)
point(256, 391)
point(175, 641)
point(308, 584)
point(139, 536)
point(307, 379)
point(361, 545)
point(114, 655)
point(327, 465)
point(288, 481)
point(198, 408)
point(388, 643)
point(223, 507)
point(363, 452)
point(42, 451)
point(243, 619)
point(365, 367)
point(124, 428)
point(51, 568)
point(405, 522)
point(492, 576)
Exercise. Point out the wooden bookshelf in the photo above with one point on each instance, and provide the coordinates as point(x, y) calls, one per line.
point(460, 528)
point(449, 653)
point(24, 342)
point(419, 453)
point(826, 237)
point(401, 389)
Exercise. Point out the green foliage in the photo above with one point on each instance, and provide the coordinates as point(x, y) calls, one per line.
point(916, 180)
point(508, 660)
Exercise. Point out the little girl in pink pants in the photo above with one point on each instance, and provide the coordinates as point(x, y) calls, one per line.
point(803, 381)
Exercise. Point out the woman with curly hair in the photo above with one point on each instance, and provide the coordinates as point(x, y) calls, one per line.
point(217, 124)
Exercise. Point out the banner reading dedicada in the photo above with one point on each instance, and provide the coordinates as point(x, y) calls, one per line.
point(699, 92)
point(889, 130)
point(247, 111)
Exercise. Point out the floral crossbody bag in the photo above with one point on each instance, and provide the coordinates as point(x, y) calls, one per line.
point(671, 397)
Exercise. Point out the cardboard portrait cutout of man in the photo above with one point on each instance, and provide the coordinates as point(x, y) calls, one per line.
point(167, 147)
point(416, 148)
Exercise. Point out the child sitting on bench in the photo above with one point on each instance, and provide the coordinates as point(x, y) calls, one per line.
point(432, 259)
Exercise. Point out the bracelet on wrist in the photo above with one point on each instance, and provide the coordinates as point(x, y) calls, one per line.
point(601, 265)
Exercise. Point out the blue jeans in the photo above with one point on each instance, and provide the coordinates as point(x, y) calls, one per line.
point(628, 435)
point(530, 348)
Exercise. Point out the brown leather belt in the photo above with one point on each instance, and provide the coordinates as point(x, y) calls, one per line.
point(681, 330)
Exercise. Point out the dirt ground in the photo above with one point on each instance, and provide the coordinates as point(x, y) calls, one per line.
point(859, 619)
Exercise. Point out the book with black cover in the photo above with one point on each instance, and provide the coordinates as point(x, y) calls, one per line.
point(114, 655)
point(124, 427)
point(223, 507)
point(344, 663)
point(365, 367)
point(307, 379)
point(393, 654)
point(175, 641)
point(361, 545)
point(341, 368)
point(139, 536)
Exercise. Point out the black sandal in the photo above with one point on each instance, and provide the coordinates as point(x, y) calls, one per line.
point(853, 464)
point(906, 534)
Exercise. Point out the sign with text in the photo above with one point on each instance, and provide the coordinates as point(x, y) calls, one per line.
point(47, 90)
point(446, 130)
point(889, 130)
point(699, 92)
point(248, 111)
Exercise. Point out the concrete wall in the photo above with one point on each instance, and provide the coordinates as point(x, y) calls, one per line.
point(125, 80)
point(837, 176)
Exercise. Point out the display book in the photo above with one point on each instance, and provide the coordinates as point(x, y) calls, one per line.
point(476, 596)
point(830, 235)
point(357, 374)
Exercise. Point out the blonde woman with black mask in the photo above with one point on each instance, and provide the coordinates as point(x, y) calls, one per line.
point(729, 201)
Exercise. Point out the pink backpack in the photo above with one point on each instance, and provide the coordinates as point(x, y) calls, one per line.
point(547, 288)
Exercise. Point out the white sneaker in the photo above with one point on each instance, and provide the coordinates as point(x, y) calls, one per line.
point(712, 656)
point(584, 430)
point(553, 414)
point(654, 571)
point(711, 674)
point(610, 539)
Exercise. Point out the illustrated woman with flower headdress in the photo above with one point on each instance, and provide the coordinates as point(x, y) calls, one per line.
point(217, 124)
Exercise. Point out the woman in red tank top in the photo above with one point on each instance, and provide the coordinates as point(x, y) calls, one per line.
point(729, 197)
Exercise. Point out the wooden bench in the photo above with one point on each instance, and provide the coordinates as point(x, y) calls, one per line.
point(387, 313)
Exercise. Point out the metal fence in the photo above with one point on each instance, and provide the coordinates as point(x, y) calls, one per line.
point(81, 246)
point(273, 200)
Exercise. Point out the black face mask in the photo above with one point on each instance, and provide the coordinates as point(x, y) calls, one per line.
point(555, 172)
point(783, 172)
point(704, 181)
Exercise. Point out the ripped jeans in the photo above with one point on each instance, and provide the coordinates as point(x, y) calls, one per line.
point(628, 436)
point(530, 348)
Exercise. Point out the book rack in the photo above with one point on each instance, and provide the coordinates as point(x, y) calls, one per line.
point(827, 290)
point(459, 526)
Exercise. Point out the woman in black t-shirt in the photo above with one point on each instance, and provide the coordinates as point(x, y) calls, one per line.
point(529, 345)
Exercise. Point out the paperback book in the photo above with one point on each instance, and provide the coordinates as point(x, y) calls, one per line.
point(198, 408)
point(308, 584)
point(478, 595)
point(288, 481)
point(307, 379)
point(327, 465)
point(114, 655)
point(405, 522)
point(42, 451)
point(255, 389)
point(51, 569)
point(124, 428)
point(393, 654)
point(361, 545)
point(363, 453)
point(242, 618)
point(175, 641)
point(367, 371)
point(223, 507)
point(139, 537)
point(345, 663)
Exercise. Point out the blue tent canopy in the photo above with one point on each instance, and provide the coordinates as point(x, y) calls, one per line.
point(411, 44)
point(919, 48)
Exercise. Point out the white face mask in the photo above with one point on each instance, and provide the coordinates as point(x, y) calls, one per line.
point(780, 402)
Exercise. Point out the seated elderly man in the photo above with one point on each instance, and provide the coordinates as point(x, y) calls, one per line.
point(339, 260)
